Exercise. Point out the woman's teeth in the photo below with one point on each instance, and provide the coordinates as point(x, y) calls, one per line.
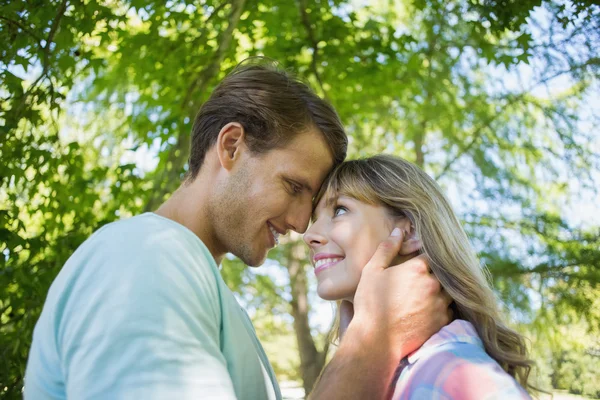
point(324, 261)
point(275, 234)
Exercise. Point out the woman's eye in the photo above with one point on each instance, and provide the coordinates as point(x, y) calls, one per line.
point(339, 210)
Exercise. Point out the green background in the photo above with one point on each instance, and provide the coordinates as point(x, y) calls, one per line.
point(499, 101)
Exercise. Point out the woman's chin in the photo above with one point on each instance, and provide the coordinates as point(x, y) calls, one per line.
point(329, 297)
point(326, 292)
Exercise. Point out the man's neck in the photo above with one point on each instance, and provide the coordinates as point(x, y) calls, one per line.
point(187, 206)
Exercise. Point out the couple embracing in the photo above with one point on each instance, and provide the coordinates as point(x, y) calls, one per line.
point(140, 310)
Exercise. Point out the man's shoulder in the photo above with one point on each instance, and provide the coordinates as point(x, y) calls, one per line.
point(139, 265)
point(145, 250)
point(148, 235)
point(144, 227)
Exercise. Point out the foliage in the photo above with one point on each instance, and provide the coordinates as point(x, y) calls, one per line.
point(495, 102)
point(568, 355)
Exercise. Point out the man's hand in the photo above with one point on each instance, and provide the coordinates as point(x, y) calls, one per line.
point(346, 311)
point(402, 305)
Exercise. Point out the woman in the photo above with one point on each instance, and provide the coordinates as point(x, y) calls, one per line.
point(476, 356)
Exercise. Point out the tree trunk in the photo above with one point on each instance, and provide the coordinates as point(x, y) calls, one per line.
point(170, 177)
point(311, 360)
point(419, 154)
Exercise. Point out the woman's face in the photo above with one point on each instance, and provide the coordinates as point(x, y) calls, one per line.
point(342, 239)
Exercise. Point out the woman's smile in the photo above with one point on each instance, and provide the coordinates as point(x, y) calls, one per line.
point(322, 261)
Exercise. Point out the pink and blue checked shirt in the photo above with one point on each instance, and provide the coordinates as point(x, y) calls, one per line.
point(453, 365)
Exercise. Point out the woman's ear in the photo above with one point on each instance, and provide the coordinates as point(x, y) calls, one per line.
point(411, 243)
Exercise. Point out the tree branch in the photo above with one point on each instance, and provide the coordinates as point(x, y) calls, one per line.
point(486, 124)
point(202, 80)
point(313, 43)
point(61, 11)
point(177, 155)
point(46, 50)
point(544, 269)
point(419, 138)
point(23, 28)
point(202, 33)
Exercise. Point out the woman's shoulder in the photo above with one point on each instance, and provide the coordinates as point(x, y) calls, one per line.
point(465, 371)
point(454, 365)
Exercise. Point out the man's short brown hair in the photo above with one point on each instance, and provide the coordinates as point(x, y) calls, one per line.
point(272, 106)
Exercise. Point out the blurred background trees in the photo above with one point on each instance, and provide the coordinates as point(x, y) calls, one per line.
point(497, 100)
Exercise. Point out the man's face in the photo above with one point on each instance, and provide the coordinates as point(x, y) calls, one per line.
point(268, 194)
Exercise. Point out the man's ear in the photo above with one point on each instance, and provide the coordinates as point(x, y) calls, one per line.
point(411, 243)
point(230, 144)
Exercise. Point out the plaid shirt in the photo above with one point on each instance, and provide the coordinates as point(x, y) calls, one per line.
point(453, 365)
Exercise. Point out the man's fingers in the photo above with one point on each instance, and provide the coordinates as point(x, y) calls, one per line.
point(386, 251)
point(346, 315)
point(419, 263)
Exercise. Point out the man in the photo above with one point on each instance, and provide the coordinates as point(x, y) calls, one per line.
point(140, 309)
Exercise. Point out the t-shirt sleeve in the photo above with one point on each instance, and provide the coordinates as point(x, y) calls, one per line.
point(458, 378)
point(143, 324)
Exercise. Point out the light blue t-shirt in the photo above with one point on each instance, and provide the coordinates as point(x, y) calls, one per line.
point(140, 311)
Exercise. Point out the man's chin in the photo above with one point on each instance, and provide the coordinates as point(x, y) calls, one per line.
point(252, 257)
point(254, 262)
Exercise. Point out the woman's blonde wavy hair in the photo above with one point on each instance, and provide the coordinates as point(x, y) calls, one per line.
point(407, 191)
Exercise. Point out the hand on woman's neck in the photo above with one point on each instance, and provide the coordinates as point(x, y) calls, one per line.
point(403, 258)
point(347, 305)
point(346, 314)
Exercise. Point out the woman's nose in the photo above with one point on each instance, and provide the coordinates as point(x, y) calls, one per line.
point(313, 238)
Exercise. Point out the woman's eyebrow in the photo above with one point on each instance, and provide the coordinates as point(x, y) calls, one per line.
point(331, 200)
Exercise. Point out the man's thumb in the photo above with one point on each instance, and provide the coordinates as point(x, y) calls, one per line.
point(387, 250)
point(397, 233)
